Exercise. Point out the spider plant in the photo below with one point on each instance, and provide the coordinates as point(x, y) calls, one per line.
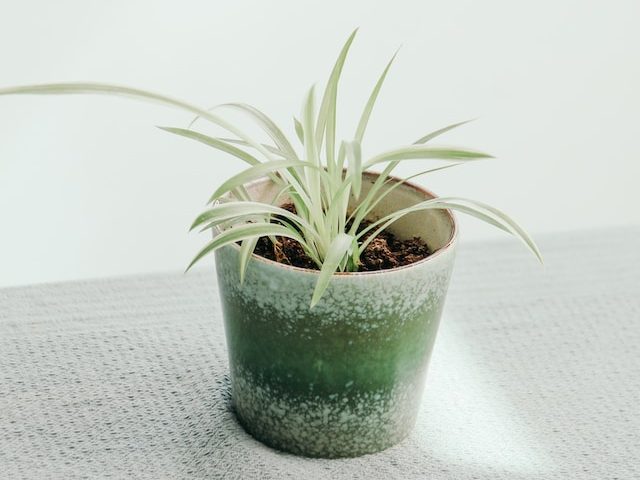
point(322, 177)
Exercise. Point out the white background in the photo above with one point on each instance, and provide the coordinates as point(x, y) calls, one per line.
point(88, 186)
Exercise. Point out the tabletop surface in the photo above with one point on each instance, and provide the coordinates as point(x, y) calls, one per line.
point(535, 375)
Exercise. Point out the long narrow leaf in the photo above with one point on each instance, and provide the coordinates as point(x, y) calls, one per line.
point(437, 133)
point(242, 232)
point(364, 209)
point(230, 210)
point(314, 183)
point(378, 184)
point(123, 91)
point(509, 223)
point(247, 247)
point(299, 131)
point(338, 203)
point(330, 90)
point(412, 152)
point(253, 173)
point(268, 126)
point(219, 144)
point(366, 113)
point(477, 209)
point(269, 148)
point(337, 250)
point(353, 153)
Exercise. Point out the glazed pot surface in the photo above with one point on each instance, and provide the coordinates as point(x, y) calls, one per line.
point(346, 377)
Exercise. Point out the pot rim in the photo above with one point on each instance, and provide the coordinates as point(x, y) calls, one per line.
point(424, 191)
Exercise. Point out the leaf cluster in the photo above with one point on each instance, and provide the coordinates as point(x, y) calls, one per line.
point(322, 176)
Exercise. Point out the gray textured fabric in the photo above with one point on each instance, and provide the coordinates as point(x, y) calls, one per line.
point(535, 374)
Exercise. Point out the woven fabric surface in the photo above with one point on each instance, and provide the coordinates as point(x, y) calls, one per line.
point(535, 375)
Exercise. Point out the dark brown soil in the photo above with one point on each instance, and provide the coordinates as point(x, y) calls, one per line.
point(384, 252)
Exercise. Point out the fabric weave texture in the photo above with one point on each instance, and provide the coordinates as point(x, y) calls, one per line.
point(535, 375)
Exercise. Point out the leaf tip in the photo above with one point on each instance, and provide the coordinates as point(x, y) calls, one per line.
point(538, 254)
point(186, 270)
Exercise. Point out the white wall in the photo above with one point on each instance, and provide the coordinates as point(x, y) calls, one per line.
point(89, 188)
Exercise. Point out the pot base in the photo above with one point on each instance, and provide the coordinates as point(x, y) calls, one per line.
point(346, 424)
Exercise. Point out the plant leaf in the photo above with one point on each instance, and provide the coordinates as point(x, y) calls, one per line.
point(253, 173)
point(268, 125)
point(337, 250)
point(123, 91)
point(353, 153)
point(247, 247)
point(426, 152)
point(217, 143)
point(242, 232)
point(377, 185)
point(235, 141)
point(231, 210)
point(477, 209)
point(299, 130)
point(327, 107)
point(364, 209)
point(439, 132)
point(313, 176)
point(366, 113)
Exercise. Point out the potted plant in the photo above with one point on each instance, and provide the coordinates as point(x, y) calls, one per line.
point(332, 277)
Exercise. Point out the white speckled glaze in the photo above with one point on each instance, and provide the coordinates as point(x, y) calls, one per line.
point(346, 377)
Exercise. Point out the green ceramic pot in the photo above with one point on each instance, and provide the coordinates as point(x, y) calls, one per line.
point(346, 377)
